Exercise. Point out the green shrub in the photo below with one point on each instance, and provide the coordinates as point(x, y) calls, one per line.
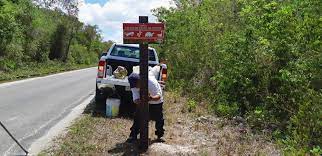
point(30, 34)
point(191, 105)
point(253, 58)
point(226, 110)
point(78, 53)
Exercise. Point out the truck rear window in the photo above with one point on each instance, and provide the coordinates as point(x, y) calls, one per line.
point(130, 52)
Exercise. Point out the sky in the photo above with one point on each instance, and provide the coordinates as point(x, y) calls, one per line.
point(110, 14)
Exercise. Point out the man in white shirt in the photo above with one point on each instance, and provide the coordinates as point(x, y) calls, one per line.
point(155, 105)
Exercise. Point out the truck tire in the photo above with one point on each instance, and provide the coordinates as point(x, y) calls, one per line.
point(100, 99)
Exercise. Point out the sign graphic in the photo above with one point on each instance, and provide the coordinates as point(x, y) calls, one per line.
point(143, 33)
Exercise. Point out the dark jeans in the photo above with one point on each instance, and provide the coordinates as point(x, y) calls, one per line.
point(155, 114)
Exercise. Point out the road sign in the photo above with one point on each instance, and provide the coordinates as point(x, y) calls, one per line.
point(143, 33)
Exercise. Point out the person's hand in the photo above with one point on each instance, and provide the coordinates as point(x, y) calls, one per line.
point(154, 98)
point(137, 101)
point(161, 82)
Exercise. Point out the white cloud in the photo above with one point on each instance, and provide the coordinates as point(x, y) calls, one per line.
point(113, 13)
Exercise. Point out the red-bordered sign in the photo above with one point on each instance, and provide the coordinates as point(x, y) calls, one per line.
point(143, 33)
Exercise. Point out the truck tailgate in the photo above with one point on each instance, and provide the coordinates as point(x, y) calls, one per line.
point(114, 81)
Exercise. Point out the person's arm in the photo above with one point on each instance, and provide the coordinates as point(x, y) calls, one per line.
point(136, 95)
point(154, 98)
point(137, 101)
point(154, 92)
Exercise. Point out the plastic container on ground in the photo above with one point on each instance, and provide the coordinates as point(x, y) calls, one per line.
point(112, 107)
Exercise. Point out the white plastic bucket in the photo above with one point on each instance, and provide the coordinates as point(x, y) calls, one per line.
point(112, 107)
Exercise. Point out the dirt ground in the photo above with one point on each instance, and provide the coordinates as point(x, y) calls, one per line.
point(187, 133)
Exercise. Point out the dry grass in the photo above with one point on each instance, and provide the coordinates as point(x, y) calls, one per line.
point(211, 135)
point(94, 136)
point(198, 130)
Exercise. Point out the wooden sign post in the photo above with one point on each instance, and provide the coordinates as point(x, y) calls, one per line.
point(144, 107)
point(143, 33)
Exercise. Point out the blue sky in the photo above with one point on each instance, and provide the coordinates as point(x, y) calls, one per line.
point(110, 14)
point(101, 2)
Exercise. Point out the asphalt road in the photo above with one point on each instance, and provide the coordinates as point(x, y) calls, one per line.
point(30, 108)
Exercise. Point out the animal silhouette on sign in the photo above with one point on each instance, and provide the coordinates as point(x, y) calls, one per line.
point(139, 34)
point(149, 34)
point(129, 34)
point(159, 35)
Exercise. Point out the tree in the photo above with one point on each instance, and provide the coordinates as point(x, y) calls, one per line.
point(59, 44)
point(252, 58)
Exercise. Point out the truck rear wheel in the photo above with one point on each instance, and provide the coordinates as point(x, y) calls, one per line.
point(100, 99)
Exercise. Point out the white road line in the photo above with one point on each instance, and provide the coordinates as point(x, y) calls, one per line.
point(12, 118)
point(59, 126)
point(2, 85)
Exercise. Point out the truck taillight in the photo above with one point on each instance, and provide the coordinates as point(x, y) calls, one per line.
point(164, 74)
point(101, 69)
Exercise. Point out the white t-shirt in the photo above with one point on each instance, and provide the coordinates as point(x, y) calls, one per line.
point(155, 71)
point(154, 89)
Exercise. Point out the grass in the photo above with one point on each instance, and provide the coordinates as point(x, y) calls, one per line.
point(39, 69)
point(79, 134)
point(93, 135)
point(196, 129)
point(77, 137)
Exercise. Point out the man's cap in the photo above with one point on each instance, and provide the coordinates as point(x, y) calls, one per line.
point(133, 79)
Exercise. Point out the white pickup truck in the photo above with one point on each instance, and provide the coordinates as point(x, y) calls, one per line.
point(127, 56)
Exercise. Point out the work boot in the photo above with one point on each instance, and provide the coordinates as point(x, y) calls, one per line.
point(159, 139)
point(132, 139)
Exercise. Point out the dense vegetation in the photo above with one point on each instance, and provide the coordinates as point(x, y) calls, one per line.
point(36, 36)
point(259, 59)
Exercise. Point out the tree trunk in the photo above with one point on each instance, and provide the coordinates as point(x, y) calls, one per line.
point(68, 45)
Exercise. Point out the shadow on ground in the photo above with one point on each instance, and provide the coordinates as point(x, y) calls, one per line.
point(97, 109)
point(126, 149)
